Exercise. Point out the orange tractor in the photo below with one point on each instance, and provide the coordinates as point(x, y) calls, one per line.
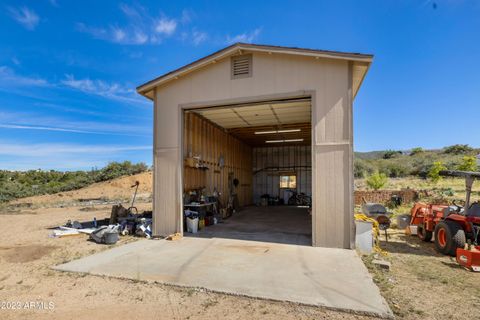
point(452, 226)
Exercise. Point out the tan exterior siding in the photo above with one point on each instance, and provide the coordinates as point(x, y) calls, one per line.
point(328, 81)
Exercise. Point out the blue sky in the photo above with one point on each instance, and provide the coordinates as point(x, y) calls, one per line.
point(68, 69)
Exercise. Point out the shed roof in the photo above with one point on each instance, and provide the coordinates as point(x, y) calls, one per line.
point(361, 62)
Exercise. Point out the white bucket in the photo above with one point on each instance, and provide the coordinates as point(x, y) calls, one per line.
point(364, 236)
point(192, 225)
point(413, 230)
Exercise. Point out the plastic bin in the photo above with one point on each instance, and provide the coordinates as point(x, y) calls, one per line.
point(192, 225)
point(403, 221)
point(110, 237)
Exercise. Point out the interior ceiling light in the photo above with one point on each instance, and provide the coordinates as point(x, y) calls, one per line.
point(287, 140)
point(278, 131)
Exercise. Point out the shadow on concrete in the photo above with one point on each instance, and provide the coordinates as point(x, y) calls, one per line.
point(276, 224)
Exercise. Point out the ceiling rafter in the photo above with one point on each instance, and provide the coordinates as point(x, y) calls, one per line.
point(242, 121)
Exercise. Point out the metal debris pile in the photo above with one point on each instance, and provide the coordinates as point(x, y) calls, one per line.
point(107, 231)
point(122, 221)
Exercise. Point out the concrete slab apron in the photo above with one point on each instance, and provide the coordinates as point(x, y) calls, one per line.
point(333, 278)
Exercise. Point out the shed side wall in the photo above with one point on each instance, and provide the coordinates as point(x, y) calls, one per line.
point(202, 138)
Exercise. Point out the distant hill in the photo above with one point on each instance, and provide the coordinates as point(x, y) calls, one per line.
point(19, 184)
point(370, 155)
point(416, 162)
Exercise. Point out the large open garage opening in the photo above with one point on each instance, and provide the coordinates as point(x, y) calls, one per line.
point(247, 172)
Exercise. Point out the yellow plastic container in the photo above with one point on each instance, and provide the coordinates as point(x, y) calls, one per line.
point(201, 224)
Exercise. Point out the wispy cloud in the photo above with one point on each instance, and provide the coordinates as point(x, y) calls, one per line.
point(187, 16)
point(104, 89)
point(15, 61)
point(246, 37)
point(39, 122)
point(198, 37)
point(66, 108)
point(9, 78)
point(110, 90)
point(141, 28)
point(62, 129)
point(64, 156)
point(16, 126)
point(25, 16)
point(194, 37)
point(166, 26)
point(43, 149)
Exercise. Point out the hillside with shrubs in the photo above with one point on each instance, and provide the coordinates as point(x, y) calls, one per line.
point(375, 167)
point(20, 184)
point(415, 162)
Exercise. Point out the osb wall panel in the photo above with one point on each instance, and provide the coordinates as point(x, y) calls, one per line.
point(270, 162)
point(203, 138)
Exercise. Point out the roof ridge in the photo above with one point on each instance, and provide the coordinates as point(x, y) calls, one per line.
point(147, 86)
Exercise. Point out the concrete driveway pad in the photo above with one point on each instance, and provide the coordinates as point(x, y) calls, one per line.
point(332, 278)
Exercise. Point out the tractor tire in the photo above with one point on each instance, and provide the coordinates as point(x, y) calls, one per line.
point(449, 236)
point(424, 234)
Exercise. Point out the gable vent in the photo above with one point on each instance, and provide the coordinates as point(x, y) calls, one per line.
point(242, 66)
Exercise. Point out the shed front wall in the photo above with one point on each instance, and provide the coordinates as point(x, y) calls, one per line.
point(327, 81)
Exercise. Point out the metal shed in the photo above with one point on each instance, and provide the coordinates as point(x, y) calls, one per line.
point(256, 112)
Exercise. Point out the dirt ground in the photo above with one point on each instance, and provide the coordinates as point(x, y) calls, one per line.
point(28, 283)
point(420, 284)
point(423, 284)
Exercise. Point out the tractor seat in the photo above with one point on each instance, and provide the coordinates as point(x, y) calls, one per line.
point(474, 210)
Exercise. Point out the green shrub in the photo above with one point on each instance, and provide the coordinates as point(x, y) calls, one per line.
point(458, 149)
point(434, 172)
point(362, 168)
point(389, 154)
point(469, 163)
point(416, 150)
point(377, 180)
point(394, 169)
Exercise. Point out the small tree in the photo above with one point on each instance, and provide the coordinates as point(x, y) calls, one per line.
point(469, 163)
point(434, 172)
point(377, 180)
point(416, 150)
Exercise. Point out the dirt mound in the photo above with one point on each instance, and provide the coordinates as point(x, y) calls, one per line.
point(22, 254)
point(117, 189)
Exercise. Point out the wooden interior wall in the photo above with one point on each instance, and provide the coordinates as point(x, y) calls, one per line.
point(270, 162)
point(205, 139)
